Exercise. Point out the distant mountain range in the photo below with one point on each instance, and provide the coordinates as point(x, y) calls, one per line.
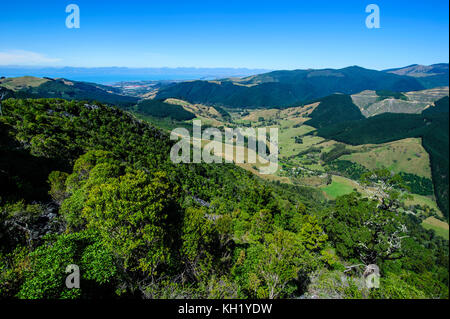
point(276, 89)
point(417, 70)
point(429, 76)
point(287, 88)
point(109, 75)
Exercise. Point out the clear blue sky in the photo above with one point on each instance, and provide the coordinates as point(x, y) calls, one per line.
point(274, 34)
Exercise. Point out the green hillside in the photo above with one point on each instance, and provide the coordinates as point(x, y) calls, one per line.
point(434, 81)
point(158, 108)
point(334, 109)
point(429, 76)
point(287, 88)
point(22, 82)
point(30, 87)
point(377, 129)
point(440, 106)
point(432, 126)
point(100, 192)
point(417, 70)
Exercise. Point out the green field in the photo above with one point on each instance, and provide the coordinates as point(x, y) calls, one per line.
point(21, 82)
point(423, 201)
point(286, 139)
point(407, 155)
point(440, 227)
point(339, 186)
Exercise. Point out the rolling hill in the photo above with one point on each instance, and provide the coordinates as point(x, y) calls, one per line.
point(33, 87)
point(334, 109)
point(287, 88)
point(428, 75)
point(417, 70)
point(159, 108)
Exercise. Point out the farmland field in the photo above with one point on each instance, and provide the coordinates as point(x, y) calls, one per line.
point(406, 155)
point(339, 186)
point(440, 227)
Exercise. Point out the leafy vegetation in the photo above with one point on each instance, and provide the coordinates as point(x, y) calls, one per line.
point(334, 109)
point(158, 108)
point(347, 168)
point(440, 106)
point(417, 184)
point(337, 151)
point(385, 94)
point(138, 226)
point(377, 129)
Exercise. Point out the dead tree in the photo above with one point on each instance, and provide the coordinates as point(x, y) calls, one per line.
point(1, 98)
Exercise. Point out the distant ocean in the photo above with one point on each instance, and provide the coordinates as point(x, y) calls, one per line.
point(114, 74)
point(110, 78)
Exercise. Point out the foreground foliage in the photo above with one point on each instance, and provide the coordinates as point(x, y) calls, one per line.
point(97, 190)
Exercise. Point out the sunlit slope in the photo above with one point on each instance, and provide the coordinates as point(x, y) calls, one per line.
point(370, 103)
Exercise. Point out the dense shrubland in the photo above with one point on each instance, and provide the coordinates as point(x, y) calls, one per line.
point(91, 185)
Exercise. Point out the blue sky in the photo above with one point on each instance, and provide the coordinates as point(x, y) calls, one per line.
point(273, 34)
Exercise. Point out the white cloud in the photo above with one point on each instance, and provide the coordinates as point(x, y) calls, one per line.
point(21, 57)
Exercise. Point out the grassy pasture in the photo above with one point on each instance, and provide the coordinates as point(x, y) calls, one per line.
point(440, 227)
point(18, 83)
point(423, 201)
point(407, 155)
point(339, 186)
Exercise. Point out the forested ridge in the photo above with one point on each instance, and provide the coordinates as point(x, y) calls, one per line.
point(288, 88)
point(334, 109)
point(159, 108)
point(88, 184)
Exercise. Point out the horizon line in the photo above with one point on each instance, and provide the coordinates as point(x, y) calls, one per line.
point(205, 68)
